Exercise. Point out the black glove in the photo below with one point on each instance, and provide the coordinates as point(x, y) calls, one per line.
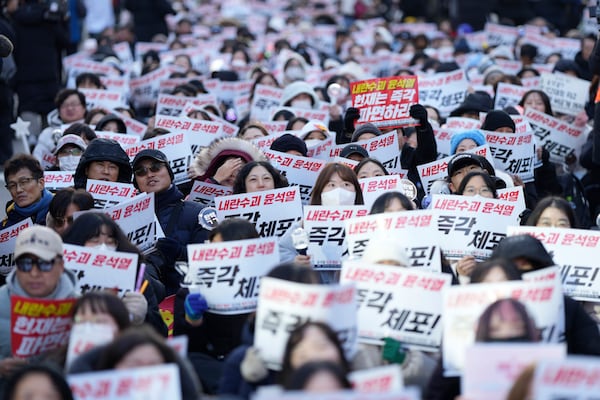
point(351, 116)
point(418, 112)
point(169, 249)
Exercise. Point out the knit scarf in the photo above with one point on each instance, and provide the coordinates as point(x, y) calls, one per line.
point(39, 208)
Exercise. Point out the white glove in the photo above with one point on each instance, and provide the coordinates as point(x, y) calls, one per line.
point(137, 305)
point(253, 367)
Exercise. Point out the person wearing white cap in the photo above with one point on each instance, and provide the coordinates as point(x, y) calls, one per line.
point(39, 273)
point(68, 152)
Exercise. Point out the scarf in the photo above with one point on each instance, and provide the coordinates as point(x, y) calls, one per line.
point(38, 209)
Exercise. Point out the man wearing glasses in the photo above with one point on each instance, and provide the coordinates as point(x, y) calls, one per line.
point(40, 274)
point(24, 179)
point(183, 222)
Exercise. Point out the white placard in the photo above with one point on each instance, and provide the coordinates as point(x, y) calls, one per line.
point(206, 192)
point(385, 379)
point(374, 187)
point(85, 336)
point(100, 98)
point(568, 94)
point(444, 91)
point(136, 218)
point(508, 95)
point(56, 180)
point(124, 140)
point(107, 194)
point(574, 378)
point(383, 148)
point(8, 240)
point(513, 153)
point(266, 100)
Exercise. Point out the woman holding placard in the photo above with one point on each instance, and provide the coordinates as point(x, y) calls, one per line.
point(257, 176)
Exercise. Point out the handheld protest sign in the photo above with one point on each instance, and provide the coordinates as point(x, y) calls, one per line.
point(513, 153)
point(108, 194)
point(568, 94)
point(383, 148)
point(206, 192)
point(444, 91)
point(56, 180)
point(384, 379)
point(38, 325)
point(575, 377)
point(86, 336)
point(374, 187)
point(228, 274)
point(8, 240)
point(124, 140)
point(137, 220)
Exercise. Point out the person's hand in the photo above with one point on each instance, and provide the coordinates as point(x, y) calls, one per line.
point(581, 119)
point(195, 305)
point(465, 265)
point(253, 368)
point(9, 365)
point(335, 112)
point(137, 305)
point(303, 260)
point(229, 168)
point(517, 180)
point(350, 118)
point(418, 112)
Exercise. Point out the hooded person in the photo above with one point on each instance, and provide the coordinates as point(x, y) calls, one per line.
point(104, 159)
point(299, 94)
point(111, 123)
point(288, 143)
point(220, 162)
point(294, 69)
point(182, 221)
point(39, 273)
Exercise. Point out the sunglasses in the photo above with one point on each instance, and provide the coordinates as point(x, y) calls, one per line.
point(26, 264)
point(143, 171)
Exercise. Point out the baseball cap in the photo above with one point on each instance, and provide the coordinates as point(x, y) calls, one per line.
point(70, 139)
point(462, 160)
point(353, 149)
point(40, 241)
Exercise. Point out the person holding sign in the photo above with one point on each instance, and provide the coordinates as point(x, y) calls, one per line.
point(319, 377)
point(39, 274)
point(182, 222)
point(24, 179)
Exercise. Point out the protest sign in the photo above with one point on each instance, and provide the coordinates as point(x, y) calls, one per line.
point(385, 379)
point(576, 252)
point(123, 140)
point(559, 137)
point(284, 305)
point(265, 101)
point(492, 368)
point(463, 304)
point(145, 89)
point(573, 378)
point(199, 133)
point(568, 94)
point(515, 195)
point(383, 148)
point(101, 98)
point(444, 91)
point(499, 35)
point(508, 95)
point(385, 102)
point(416, 231)
point(513, 153)
point(308, 113)
point(271, 211)
point(107, 194)
point(136, 219)
point(409, 393)
point(374, 187)
point(299, 171)
point(206, 192)
point(8, 240)
point(175, 146)
point(101, 269)
point(325, 227)
point(56, 180)
point(472, 225)
point(38, 325)
point(228, 273)
point(85, 336)
point(404, 304)
point(149, 383)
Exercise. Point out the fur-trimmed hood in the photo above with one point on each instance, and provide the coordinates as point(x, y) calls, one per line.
point(207, 160)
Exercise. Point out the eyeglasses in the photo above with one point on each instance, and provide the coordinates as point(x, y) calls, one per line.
point(70, 105)
point(143, 171)
point(23, 182)
point(471, 191)
point(25, 264)
point(60, 221)
point(70, 152)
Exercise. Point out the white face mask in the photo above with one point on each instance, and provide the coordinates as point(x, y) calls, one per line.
point(295, 74)
point(312, 143)
point(104, 247)
point(237, 63)
point(338, 197)
point(304, 104)
point(68, 163)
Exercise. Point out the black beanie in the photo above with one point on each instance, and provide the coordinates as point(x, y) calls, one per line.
point(289, 142)
point(498, 119)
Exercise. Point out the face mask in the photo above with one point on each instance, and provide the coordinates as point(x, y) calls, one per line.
point(105, 247)
point(312, 143)
point(338, 197)
point(237, 63)
point(295, 74)
point(304, 104)
point(68, 163)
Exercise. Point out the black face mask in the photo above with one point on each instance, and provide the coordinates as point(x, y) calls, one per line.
point(514, 339)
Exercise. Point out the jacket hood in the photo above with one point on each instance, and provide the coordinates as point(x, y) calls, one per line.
point(103, 150)
point(206, 161)
point(67, 286)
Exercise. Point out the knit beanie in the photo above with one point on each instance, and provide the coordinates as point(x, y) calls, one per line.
point(288, 142)
point(498, 119)
point(365, 128)
point(475, 135)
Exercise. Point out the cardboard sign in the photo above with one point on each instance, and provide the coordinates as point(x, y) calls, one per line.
point(417, 231)
point(444, 91)
point(568, 95)
point(513, 153)
point(374, 187)
point(284, 305)
point(472, 225)
point(38, 326)
point(136, 218)
point(8, 240)
point(402, 303)
point(85, 336)
point(107, 194)
point(385, 379)
point(265, 101)
point(228, 273)
point(101, 269)
point(56, 180)
point(492, 368)
point(151, 383)
point(574, 378)
point(299, 171)
point(464, 304)
point(206, 192)
point(325, 227)
point(576, 251)
point(271, 211)
point(175, 146)
point(559, 137)
point(385, 102)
